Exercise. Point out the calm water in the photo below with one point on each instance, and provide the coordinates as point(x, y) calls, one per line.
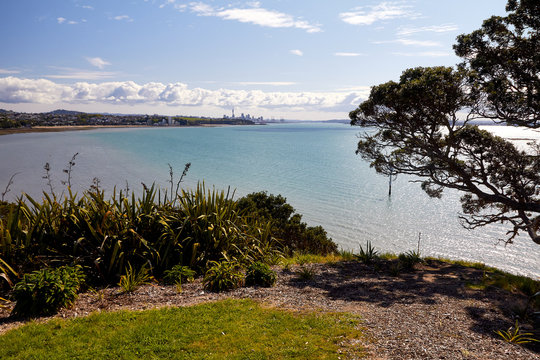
point(313, 165)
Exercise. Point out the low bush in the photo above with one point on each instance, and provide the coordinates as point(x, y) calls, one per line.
point(133, 279)
point(223, 276)
point(260, 274)
point(178, 275)
point(45, 291)
point(287, 226)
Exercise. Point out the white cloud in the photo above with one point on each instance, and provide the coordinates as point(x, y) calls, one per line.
point(98, 62)
point(255, 15)
point(87, 7)
point(411, 42)
point(5, 71)
point(347, 54)
point(367, 15)
point(62, 20)
point(15, 90)
point(41, 91)
point(78, 74)
point(424, 54)
point(123, 17)
point(269, 83)
point(405, 31)
point(296, 52)
point(168, 2)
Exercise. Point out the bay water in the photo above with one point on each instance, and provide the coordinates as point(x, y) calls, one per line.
point(312, 164)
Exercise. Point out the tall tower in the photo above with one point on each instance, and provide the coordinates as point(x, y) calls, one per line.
point(233, 113)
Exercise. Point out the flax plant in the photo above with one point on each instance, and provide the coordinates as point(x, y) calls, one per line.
point(104, 234)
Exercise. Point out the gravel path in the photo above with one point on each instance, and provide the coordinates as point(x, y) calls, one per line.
point(426, 314)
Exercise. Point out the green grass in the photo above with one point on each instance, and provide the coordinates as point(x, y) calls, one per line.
point(231, 329)
point(302, 258)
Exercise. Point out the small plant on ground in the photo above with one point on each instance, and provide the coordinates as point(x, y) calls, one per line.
point(45, 291)
point(515, 336)
point(133, 279)
point(368, 255)
point(395, 268)
point(97, 294)
point(409, 259)
point(178, 275)
point(223, 276)
point(260, 274)
point(306, 273)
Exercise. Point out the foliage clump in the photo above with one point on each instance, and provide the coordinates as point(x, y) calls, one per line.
point(118, 239)
point(223, 276)
point(367, 255)
point(178, 275)
point(133, 279)
point(45, 291)
point(287, 226)
point(260, 274)
point(409, 259)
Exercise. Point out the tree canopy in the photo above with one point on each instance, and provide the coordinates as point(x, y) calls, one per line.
point(421, 125)
point(503, 63)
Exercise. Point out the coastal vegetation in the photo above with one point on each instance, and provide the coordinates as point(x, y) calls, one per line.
point(130, 240)
point(420, 125)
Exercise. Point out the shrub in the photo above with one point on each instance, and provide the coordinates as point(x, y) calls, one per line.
point(223, 276)
point(178, 274)
point(294, 234)
point(133, 279)
point(45, 291)
point(260, 274)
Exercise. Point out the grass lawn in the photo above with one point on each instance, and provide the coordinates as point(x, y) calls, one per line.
point(230, 329)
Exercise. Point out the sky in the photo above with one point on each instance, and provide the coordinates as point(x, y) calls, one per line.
point(296, 59)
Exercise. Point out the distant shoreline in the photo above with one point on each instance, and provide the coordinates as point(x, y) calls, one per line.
point(43, 129)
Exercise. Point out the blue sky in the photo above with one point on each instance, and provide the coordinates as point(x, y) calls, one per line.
point(296, 59)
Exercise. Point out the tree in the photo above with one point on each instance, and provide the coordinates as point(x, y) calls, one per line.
point(503, 62)
point(421, 124)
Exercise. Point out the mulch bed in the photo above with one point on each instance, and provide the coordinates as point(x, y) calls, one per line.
point(425, 314)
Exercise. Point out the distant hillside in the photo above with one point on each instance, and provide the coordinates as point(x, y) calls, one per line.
point(64, 112)
point(338, 121)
